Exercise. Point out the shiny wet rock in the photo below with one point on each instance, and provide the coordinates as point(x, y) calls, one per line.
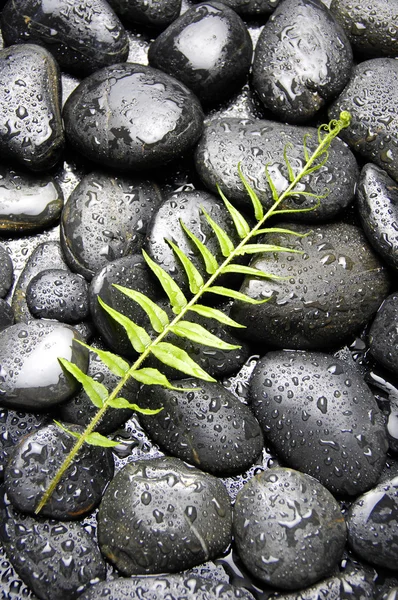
point(284, 520)
point(383, 334)
point(321, 418)
point(154, 14)
point(35, 461)
point(6, 272)
point(162, 515)
point(6, 314)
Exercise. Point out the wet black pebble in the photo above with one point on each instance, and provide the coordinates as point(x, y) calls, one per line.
point(31, 376)
point(176, 587)
point(6, 272)
point(371, 27)
point(154, 14)
point(6, 314)
point(34, 463)
point(383, 334)
point(208, 48)
point(302, 60)
point(28, 202)
point(162, 515)
point(105, 218)
point(321, 418)
point(58, 294)
point(130, 117)
point(82, 37)
point(252, 8)
point(31, 129)
point(332, 289)
point(228, 141)
point(289, 530)
point(56, 560)
point(377, 200)
point(372, 525)
point(208, 427)
point(370, 98)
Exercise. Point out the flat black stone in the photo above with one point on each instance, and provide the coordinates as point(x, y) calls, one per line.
point(6, 272)
point(6, 314)
point(153, 13)
point(383, 334)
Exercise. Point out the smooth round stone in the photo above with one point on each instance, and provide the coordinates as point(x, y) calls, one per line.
point(372, 522)
point(371, 27)
point(31, 129)
point(47, 255)
point(331, 290)
point(153, 13)
point(106, 218)
point(31, 376)
point(253, 143)
point(28, 202)
point(383, 334)
point(131, 117)
point(377, 201)
point(289, 530)
point(13, 426)
point(82, 37)
point(179, 587)
point(370, 97)
point(302, 60)
point(162, 515)
point(48, 555)
point(58, 294)
point(6, 272)
point(80, 410)
point(208, 48)
point(6, 315)
point(36, 460)
point(321, 418)
point(252, 8)
point(207, 427)
point(130, 272)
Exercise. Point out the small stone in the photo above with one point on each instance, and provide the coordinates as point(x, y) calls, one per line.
point(284, 520)
point(383, 334)
point(252, 8)
point(6, 272)
point(6, 315)
point(34, 463)
point(155, 13)
point(162, 515)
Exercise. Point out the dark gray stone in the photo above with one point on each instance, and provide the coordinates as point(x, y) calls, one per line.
point(83, 37)
point(209, 427)
point(383, 334)
point(283, 520)
point(153, 13)
point(302, 60)
point(252, 8)
point(208, 48)
point(6, 272)
point(331, 289)
point(131, 117)
point(6, 314)
point(30, 99)
point(162, 515)
point(36, 460)
point(253, 143)
point(321, 418)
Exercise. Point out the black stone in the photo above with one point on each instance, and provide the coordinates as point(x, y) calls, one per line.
point(252, 8)
point(283, 520)
point(31, 376)
point(321, 418)
point(6, 315)
point(331, 289)
point(105, 218)
point(131, 117)
point(253, 143)
point(82, 37)
point(208, 48)
point(207, 427)
point(30, 98)
point(34, 463)
point(153, 13)
point(383, 334)
point(58, 294)
point(162, 515)
point(6, 272)
point(302, 60)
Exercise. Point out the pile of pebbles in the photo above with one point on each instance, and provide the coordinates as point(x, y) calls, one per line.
point(117, 121)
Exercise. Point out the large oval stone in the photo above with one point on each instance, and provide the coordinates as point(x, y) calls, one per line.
point(321, 418)
point(130, 117)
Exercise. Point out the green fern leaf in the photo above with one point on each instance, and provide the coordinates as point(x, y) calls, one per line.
point(173, 291)
point(225, 243)
point(175, 357)
point(280, 230)
point(94, 389)
point(149, 376)
point(306, 153)
point(222, 291)
point(287, 211)
point(195, 279)
point(97, 439)
point(243, 270)
point(197, 333)
point(209, 259)
point(157, 316)
point(274, 191)
point(257, 206)
point(256, 248)
point(241, 225)
point(289, 166)
point(123, 403)
point(117, 365)
point(137, 335)
point(214, 313)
